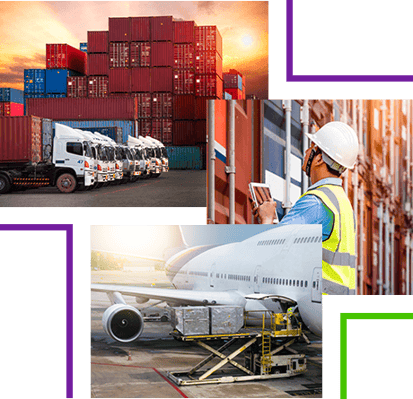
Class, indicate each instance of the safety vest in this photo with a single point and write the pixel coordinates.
(339, 249)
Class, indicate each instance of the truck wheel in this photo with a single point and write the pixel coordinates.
(4, 184)
(66, 183)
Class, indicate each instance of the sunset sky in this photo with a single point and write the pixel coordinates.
(26, 27)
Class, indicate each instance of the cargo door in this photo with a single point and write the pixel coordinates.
(257, 279)
(316, 285)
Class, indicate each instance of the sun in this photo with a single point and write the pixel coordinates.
(247, 40)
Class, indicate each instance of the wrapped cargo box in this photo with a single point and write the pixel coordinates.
(11, 96)
(193, 320)
(98, 41)
(226, 319)
(63, 56)
(21, 139)
(35, 81)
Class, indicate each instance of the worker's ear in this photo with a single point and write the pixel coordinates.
(318, 159)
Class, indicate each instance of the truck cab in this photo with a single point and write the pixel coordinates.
(162, 153)
(115, 157)
(142, 163)
(153, 155)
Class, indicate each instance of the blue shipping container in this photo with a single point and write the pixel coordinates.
(227, 96)
(114, 132)
(56, 80)
(11, 95)
(55, 95)
(128, 127)
(34, 81)
(184, 157)
(240, 82)
(47, 139)
(83, 47)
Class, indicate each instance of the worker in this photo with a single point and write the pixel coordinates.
(334, 148)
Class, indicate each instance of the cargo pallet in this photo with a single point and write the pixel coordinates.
(261, 350)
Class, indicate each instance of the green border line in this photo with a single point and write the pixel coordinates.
(343, 339)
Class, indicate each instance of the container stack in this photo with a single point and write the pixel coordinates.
(11, 102)
(234, 85)
(98, 64)
(167, 69)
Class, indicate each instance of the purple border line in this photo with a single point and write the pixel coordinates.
(329, 78)
(69, 288)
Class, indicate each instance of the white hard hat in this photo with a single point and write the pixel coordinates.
(339, 141)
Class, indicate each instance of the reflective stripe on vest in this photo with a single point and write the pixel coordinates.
(339, 260)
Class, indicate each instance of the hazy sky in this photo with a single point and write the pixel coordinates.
(26, 27)
(152, 241)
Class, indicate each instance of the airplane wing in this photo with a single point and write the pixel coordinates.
(179, 297)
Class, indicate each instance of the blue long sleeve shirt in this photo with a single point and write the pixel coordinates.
(311, 210)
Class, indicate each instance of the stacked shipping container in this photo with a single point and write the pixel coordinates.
(234, 85)
(11, 102)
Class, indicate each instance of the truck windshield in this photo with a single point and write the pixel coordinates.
(138, 155)
(87, 149)
(102, 153)
(111, 153)
(119, 153)
(157, 152)
(164, 152)
(150, 152)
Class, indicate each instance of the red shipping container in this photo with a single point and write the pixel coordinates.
(201, 107)
(77, 86)
(111, 108)
(162, 29)
(98, 64)
(140, 29)
(236, 94)
(184, 55)
(200, 131)
(21, 139)
(144, 127)
(162, 105)
(159, 126)
(11, 109)
(184, 31)
(183, 133)
(140, 54)
(119, 55)
(162, 54)
(184, 81)
(184, 107)
(97, 42)
(119, 29)
(208, 38)
(144, 104)
(98, 86)
(119, 80)
(209, 85)
(208, 62)
(63, 56)
(141, 79)
(161, 79)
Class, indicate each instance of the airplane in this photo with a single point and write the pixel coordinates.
(272, 270)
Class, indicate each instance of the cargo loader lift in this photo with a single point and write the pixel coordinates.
(263, 347)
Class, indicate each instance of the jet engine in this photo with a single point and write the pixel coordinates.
(122, 322)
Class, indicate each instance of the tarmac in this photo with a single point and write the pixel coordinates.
(139, 369)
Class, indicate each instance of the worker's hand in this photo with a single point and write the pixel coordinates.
(265, 212)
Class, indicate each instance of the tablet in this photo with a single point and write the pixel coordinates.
(260, 192)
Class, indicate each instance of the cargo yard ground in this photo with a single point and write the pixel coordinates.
(177, 188)
(156, 352)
